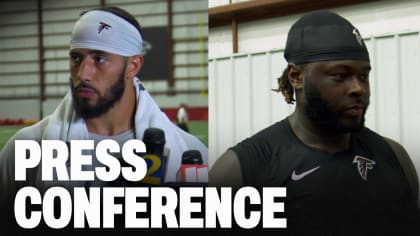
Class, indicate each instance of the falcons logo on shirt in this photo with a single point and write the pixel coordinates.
(102, 26)
(363, 165)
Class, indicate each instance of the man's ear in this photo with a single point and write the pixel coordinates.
(296, 76)
(134, 65)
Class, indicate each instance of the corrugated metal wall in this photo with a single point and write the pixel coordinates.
(241, 101)
(19, 51)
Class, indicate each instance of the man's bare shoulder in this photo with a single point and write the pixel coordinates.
(226, 171)
(406, 163)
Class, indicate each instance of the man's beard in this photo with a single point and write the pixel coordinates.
(104, 103)
(319, 112)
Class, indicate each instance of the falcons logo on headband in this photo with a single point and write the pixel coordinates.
(358, 36)
(102, 26)
(363, 165)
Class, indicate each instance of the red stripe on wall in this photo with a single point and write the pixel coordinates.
(194, 113)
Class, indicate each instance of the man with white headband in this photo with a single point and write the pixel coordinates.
(106, 101)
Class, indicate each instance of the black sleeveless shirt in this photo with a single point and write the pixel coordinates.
(360, 191)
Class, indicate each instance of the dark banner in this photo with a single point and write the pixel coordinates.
(155, 51)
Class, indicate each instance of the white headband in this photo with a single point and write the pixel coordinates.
(107, 32)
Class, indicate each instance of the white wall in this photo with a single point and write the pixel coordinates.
(376, 18)
(240, 100)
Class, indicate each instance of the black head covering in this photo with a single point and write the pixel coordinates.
(324, 36)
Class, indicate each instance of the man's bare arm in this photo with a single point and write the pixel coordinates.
(226, 171)
(406, 164)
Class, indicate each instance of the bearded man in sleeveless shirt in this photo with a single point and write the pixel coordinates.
(341, 177)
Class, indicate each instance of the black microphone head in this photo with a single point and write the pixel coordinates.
(192, 157)
(154, 139)
(154, 135)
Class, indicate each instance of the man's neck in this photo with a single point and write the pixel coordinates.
(117, 120)
(318, 137)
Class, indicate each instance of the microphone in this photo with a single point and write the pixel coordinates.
(192, 168)
(155, 156)
(154, 139)
(192, 157)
